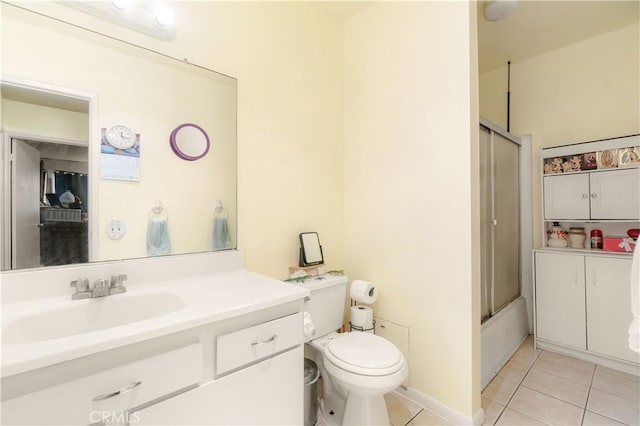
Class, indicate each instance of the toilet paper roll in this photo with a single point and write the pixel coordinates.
(362, 317)
(363, 292)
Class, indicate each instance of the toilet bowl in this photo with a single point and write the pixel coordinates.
(357, 368)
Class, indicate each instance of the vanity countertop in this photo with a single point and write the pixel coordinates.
(202, 300)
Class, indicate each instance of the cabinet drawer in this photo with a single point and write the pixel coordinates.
(251, 344)
(103, 395)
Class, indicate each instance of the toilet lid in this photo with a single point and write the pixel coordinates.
(364, 353)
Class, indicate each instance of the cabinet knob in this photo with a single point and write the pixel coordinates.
(594, 195)
(585, 196)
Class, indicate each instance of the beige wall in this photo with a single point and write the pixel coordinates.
(587, 91)
(408, 193)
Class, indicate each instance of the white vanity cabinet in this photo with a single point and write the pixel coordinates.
(243, 391)
(598, 195)
(582, 303)
(107, 395)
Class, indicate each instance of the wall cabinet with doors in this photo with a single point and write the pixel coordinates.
(582, 294)
(599, 195)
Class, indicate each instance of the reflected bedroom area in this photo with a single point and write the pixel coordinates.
(100, 145)
(44, 180)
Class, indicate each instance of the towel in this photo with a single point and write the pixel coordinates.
(634, 328)
(221, 239)
(158, 238)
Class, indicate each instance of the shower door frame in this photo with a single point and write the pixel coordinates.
(525, 222)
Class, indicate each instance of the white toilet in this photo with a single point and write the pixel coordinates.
(357, 368)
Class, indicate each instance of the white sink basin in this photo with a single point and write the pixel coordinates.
(84, 316)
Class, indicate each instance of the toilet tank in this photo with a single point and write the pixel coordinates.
(327, 300)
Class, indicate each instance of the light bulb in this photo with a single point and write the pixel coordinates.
(163, 17)
(121, 5)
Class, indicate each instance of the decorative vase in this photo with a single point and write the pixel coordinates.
(577, 237)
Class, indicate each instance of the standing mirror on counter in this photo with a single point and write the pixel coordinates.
(310, 249)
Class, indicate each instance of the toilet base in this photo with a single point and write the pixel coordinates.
(332, 408)
(365, 410)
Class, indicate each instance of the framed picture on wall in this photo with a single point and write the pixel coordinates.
(607, 158)
(589, 161)
(629, 157)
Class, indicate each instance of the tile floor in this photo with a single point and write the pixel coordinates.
(540, 387)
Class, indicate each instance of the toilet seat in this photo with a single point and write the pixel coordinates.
(365, 354)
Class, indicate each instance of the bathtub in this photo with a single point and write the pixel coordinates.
(501, 336)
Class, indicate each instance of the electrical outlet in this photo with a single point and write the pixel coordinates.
(116, 229)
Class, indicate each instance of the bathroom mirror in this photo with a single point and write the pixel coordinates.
(81, 81)
(189, 142)
(310, 249)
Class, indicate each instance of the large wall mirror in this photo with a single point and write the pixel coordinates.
(62, 183)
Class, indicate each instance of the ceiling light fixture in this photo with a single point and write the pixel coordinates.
(495, 10)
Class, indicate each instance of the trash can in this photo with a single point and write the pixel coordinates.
(311, 375)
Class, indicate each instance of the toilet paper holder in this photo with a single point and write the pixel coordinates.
(359, 328)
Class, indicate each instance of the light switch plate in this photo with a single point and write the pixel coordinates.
(116, 229)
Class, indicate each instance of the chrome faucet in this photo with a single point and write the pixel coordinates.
(101, 288)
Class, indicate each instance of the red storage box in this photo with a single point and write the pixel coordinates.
(621, 244)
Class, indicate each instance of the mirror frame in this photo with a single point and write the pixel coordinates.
(175, 145)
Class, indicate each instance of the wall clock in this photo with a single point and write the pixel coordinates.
(121, 137)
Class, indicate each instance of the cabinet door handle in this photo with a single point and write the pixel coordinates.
(594, 195)
(595, 277)
(262, 342)
(575, 277)
(124, 390)
(585, 196)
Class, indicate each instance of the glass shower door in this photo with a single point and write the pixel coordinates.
(500, 216)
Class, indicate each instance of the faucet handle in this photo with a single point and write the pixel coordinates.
(117, 280)
(117, 284)
(81, 284)
(82, 289)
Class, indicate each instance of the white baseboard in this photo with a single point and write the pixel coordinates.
(442, 410)
(624, 366)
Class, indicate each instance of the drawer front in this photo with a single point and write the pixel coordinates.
(103, 396)
(251, 344)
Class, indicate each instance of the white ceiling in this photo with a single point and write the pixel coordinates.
(538, 27)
